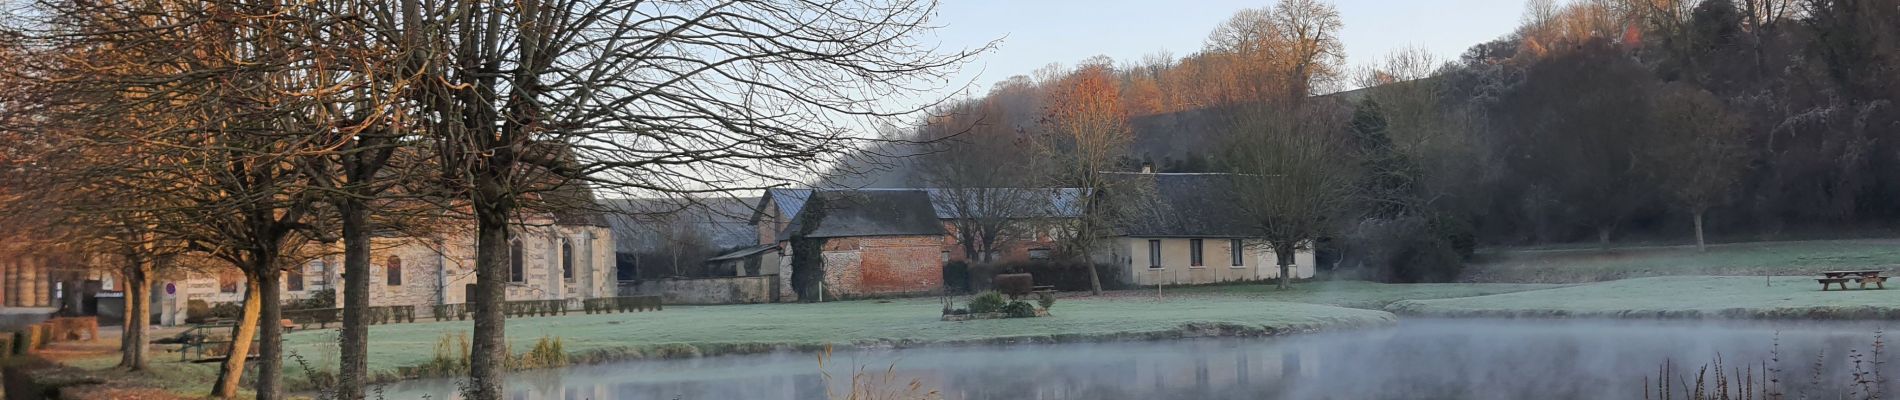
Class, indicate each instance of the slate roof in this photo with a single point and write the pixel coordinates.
(867, 213)
(1061, 202)
(789, 201)
(723, 220)
(1051, 202)
(743, 252)
(1181, 205)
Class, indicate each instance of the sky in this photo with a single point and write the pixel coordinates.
(1035, 33)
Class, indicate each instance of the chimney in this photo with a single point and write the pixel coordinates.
(1147, 167)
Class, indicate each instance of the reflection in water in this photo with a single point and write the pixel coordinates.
(1464, 359)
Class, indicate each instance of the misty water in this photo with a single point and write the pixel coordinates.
(1420, 358)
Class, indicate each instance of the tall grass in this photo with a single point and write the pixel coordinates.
(1766, 383)
(452, 358)
(868, 385)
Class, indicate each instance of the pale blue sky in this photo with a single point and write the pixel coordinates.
(1038, 32)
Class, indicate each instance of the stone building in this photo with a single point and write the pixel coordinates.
(37, 280)
(876, 242)
(565, 257)
(1187, 229)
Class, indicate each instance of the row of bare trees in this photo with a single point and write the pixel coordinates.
(253, 132)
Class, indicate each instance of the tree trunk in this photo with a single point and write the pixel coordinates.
(1283, 255)
(489, 352)
(1603, 238)
(270, 360)
(134, 343)
(353, 370)
(128, 352)
(142, 321)
(232, 370)
(1700, 245)
(1095, 275)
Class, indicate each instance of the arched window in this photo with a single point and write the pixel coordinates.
(567, 259)
(394, 266)
(515, 273)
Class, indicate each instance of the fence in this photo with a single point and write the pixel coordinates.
(536, 308)
(323, 317)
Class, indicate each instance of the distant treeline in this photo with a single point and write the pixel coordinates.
(1595, 120)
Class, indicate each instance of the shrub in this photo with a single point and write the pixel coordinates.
(196, 311)
(1046, 300)
(1457, 233)
(956, 276)
(988, 302)
(319, 299)
(451, 356)
(226, 311)
(1015, 285)
(1019, 309)
(982, 276)
(547, 353)
(1404, 250)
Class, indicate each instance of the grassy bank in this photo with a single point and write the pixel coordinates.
(713, 330)
(1353, 294)
(1741, 297)
(1759, 259)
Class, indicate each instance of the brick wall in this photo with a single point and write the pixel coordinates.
(875, 265)
(1014, 250)
(900, 264)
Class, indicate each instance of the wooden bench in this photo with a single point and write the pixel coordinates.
(1863, 277)
(1043, 289)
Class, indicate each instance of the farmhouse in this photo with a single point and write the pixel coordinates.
(1187, 229)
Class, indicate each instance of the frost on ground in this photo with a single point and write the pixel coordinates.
(1355, 294)
(1760, 258)
(1754, 297)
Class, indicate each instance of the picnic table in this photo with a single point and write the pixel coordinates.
(1864, 277)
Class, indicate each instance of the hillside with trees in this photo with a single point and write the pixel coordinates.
(1595, 121)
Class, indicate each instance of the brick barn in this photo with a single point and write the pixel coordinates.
(872, 242)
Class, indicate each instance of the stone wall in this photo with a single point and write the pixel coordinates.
(437, 271)
(722, 290)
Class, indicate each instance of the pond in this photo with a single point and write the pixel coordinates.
(1419, 358)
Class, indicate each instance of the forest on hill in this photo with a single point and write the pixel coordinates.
(1596, 120)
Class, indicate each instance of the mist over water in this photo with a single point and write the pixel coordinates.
(1424, 358)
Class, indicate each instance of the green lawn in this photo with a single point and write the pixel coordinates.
(708, 329)
(1355, 294)
(1673, 297)
(1761, 258)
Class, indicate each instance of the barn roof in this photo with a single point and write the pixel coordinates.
(1182, 205)
(866, 213)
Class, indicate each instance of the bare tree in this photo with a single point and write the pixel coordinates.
(527, 97)
(1294, 174)
(1314, 53)
(1698, 152)
(1090, 135)
(206, 109)
(981, 174)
